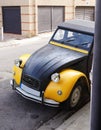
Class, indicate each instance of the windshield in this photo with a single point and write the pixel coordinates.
(76, 39)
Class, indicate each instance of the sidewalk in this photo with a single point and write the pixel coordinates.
(8, 40)
(79, 121)
(13, 40)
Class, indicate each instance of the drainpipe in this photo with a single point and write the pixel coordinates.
(2, 34)
(96, 88)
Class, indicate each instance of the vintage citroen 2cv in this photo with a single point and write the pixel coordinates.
(58, 73)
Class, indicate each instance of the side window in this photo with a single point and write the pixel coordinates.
(59, 35)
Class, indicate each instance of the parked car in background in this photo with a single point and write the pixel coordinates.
(58, 73)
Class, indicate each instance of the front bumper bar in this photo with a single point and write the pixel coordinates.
(33, 97)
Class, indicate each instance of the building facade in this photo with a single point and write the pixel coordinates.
(31, 17)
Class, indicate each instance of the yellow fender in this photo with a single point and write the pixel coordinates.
(24, 58)
(17, 71)
(68, 79)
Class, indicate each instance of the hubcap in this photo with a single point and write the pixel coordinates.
(75, 97)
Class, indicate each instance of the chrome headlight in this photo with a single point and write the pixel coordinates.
(18, 62)
(55, 77)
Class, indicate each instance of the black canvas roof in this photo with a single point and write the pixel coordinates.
(79, 25)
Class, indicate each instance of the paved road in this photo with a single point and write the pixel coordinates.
(17, 113)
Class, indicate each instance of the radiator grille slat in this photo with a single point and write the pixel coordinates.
(31, 82)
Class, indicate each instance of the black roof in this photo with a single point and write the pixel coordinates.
(79, 25)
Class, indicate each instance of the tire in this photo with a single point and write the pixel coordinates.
(75, 97)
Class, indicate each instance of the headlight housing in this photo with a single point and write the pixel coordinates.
(55, 77)
(18, 62)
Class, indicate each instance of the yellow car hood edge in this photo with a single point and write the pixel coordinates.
(69, 47)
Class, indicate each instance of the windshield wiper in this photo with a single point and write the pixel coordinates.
(71, 39)
(84, 43)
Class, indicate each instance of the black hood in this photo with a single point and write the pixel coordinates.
(50, 59)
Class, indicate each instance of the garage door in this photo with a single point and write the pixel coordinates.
(11, 20)
(57, 16)
(49, 18)
(86, 13)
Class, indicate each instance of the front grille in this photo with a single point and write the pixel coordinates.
(31, 82)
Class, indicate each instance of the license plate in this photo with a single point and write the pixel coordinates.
(30, 90)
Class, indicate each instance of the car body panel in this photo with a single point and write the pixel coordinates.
(17, 71)
(24, 58)
(68, 78)
(50, 61)
(53, 60)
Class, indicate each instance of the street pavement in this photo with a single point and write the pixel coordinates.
(79, 120)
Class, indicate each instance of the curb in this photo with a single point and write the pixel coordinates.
(79, 121)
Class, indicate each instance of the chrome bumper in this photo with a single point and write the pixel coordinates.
(33, 95)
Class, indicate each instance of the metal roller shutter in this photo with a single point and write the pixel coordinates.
(89, 13)
(57, 16)
(44, 19)
(79, 13)
(86, 13)
(49, 18)
(11, 19)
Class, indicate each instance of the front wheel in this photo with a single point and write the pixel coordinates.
(75, 96)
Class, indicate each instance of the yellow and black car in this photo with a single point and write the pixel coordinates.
(58, 73)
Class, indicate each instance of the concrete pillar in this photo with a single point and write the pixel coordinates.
(96, 88)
